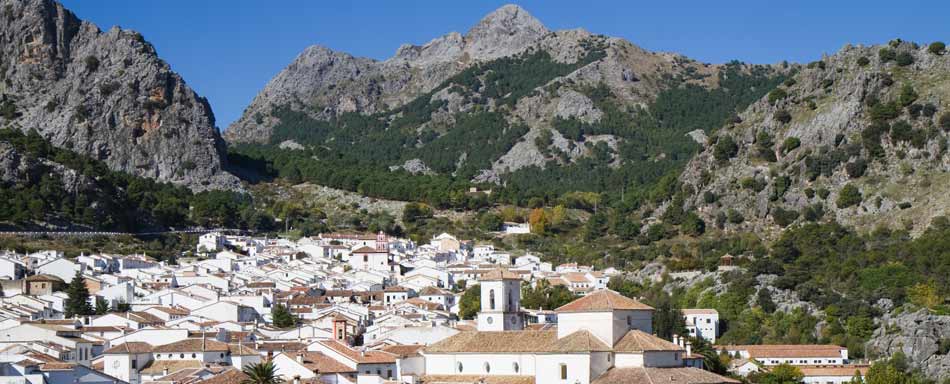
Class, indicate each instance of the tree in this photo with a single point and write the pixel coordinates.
(471, 302)
(490, 222)
(782, 116)
(282, 318)
(667, 318)
(885, 372)
(908, 95)
(849, 196)
(764, 300)
(779, 374)
(538, 221)
(261, 373)
(416, 212)
(726, 148)
(936, 47)
(102, 306)
(944, 121)
(77, 302)
(904, 59)
(693, 225)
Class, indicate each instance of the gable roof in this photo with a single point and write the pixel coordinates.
(499, 274)
(679, 375)
(364, 357)
(193, 345)
(603, 300)
(636, 340)
(544, 341)
(318, 362)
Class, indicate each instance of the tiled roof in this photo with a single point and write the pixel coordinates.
(700, 311)
(130, 347)
(158, 366)
(318, 362)
(788, 351)
(367, 357)
(433, 291)
(603, 300)
(499, 274)
(638, 341)
(545, 341)
(193, 345)
(682, 375)
(403, 350)
(281, 346)
(230, 376)
(837, 370)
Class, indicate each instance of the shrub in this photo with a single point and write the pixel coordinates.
(885, 111)
(709, 197)
(826, 83)
(734, 217)
(856, 168)
(784, 217)
(936, 47)
(929, 110)
(782, 116)
(904, 205)
(809, 193)
(823, 193)
(790, 82)
(814, 212)
(863, 61)
(92, 63)
(726, 148)
(8, 110)
(944, 121)
(914, 110)
(904, 59)
(886, 55)
(901, 131)
(848, 196)
(108, 88)
(776, 95)
(790, 144)
(908, 95)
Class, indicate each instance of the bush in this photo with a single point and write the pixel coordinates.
(709, 197)
(776, 95)
(863, 61)
(904, 59)
(814, 212)
(823, 193)
(790, 144)
(782, 116)
(790, 82)
(928, 110)
(856, 168)
(784, 217)
(92, 63)
(908, 95)
(809, 193)
(885, 111)
(944, 121)
(849, 196)
(936, 47)
(735, 217)
(886, 55)
(726, 148)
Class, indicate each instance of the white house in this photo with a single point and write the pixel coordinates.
(703, 323)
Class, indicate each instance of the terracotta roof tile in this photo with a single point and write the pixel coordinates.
(367, 357)
(193, 345)
(499, 274)
(318, 362)
(130, 347)
(518, 342)
(467, 379)
(230, 376)
(683, 375)
(638, 341)
(403, 350)
(159, 366)
(788, 350)
(603, 300)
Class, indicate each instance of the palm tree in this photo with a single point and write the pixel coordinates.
(260, 373)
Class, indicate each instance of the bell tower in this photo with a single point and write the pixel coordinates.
(500, 302)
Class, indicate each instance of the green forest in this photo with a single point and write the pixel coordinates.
(107, 200)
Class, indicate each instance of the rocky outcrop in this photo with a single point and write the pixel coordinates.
(825, 112)
(106, 95)
(918, 336)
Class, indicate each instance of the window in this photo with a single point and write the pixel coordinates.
(608, 357)
(379, 372)
(487, 367)
(193, 355)
(629, 321)
(169, 355)
(460, 367)
(181, 356)
(563, 371)
(135, 364)
(491, 299)
(365, 258)
(708, 321)
(515, 367)
(389, 373)
(489, 319)
(222, 355)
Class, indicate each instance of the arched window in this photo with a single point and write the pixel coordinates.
(515, 367)
(491, 299)
(181, 356)
(487, 367)
(460, 367)
(193, 355)
(563, 371)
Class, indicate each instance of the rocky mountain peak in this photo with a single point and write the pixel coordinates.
(505, 31)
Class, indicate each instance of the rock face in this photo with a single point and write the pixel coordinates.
(830, 110)
(454, 76)
(106, 95)
(918, 335)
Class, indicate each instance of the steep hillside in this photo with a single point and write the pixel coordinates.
(106, 95)
(541, 112)
(859, 137)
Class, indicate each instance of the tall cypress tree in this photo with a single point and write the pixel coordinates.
(77, 304)
(282, 318)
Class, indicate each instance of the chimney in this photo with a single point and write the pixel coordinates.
(689, 348)
(296, 379)
(676, 339)
(165, 371)
(299, 360)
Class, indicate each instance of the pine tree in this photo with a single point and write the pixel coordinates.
(282, 318)
(102, 306)
(77, 303)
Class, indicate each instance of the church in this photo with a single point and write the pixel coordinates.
(601, 338)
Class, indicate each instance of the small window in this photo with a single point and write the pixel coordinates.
(169, 355)
(181, 356)
(389, 373)
(515, 367)
(135, 364)
(459, 367)
(608, 357)
(487, 367)
(563, 371)
(489, 320)
(222, 355)
(193, 355)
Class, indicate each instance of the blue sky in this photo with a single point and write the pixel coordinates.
(227, 50)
